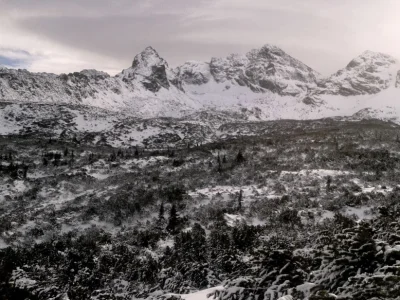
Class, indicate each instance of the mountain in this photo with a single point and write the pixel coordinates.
(264, 84)
(261, 70)
(368, 73)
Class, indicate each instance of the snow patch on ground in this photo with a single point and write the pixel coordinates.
(234, 220)
(201, 295)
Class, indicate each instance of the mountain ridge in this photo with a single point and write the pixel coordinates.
(262, 79)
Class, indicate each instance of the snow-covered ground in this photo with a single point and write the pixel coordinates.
(200, 295)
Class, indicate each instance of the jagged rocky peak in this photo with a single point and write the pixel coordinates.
(229, 68)
(267, 51)
(368, 73)
(148, 58)
(151, 70)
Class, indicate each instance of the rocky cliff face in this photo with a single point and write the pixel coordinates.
(369, 73)
(273, 69)
(194, 73)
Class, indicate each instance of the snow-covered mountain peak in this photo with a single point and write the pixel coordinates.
(369, 58)
(275, 70)
(369, 73)
(146, 60)
(268, 69)
(150, 70)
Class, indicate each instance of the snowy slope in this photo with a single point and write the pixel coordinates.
(97, 126)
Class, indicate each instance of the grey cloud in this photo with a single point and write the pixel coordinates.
(325, 35)
(121, 36)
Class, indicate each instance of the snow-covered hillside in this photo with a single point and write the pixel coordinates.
(264, 84)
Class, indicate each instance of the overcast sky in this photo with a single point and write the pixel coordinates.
(70, 35)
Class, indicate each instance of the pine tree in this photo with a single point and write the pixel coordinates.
(66, 152)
